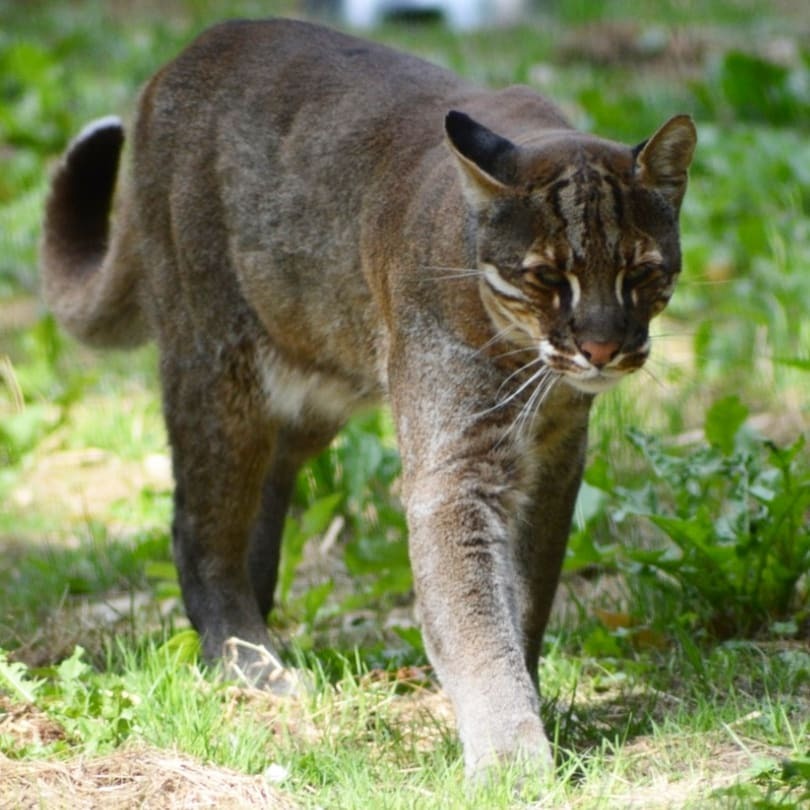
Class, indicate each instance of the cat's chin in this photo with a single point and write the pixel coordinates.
(596, 384)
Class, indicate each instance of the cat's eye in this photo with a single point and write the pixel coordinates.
(549, 277)
(640, 273)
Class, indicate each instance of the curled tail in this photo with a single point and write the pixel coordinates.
(90, 280)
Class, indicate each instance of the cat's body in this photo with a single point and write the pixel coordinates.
(304, 230)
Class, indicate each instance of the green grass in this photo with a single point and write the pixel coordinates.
(362, 738)
(648, 696)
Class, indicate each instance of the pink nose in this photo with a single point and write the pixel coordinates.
(599, 354)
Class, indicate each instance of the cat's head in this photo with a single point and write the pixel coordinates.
(577, 240)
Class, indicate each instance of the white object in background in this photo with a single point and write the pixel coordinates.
(460, 15)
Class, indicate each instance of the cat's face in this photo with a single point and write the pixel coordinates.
(578, 248)
(581, 268)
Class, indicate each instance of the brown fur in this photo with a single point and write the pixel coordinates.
(306, 228)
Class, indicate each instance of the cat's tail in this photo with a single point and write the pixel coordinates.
(90, 280)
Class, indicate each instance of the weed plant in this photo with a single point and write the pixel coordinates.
(725, 528)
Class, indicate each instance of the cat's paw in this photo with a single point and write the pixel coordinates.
(520, 746)
(523, 767)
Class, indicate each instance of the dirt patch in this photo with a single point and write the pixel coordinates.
(85, 483)
(27, 726)
(134, 778)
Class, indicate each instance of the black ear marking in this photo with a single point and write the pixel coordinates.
(491, 153)
(637, 150)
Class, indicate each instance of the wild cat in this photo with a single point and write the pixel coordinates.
(310, 223)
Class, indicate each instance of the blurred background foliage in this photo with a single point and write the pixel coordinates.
(708, 522)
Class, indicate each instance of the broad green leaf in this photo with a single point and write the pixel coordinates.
(14, 678)
(601, 643)
(72, 670)
(184, 646)
(315, 598)
(374, 553)
(723, 421)
(411, 636)
(318, 514)
(590, 503)
(684, 532)
(161, 570)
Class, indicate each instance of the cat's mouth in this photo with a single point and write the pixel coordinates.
(594, 382)
(588, 377)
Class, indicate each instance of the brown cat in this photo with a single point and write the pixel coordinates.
(311, 224)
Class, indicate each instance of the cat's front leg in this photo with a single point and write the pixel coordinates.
(466, 494)
(460, 518)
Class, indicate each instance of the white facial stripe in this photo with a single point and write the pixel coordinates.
(545, 350)
(579, 360)
(533, 259)
(620, 286)
(647, 256)
(576, 290)
(547, 257)
(497, 282)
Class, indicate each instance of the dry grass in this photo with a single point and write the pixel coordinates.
(137, 777)
(131, 777)
(26, 725)
(671, 771)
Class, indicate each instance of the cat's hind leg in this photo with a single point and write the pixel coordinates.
(264, 551)
(292, 447)
(542, 537)
(222, 443)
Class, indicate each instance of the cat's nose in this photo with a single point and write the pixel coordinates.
(599, 353)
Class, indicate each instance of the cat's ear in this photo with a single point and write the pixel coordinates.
(663, 160)
(487, 161)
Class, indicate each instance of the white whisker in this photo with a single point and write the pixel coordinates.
(525, 367)
(535, 377)
(527, 414)
(538, 396)
(665, 335)
(451, 269)
(512, 352)
(654, 378)
(495, 338)
(501, 403)
(453, 273)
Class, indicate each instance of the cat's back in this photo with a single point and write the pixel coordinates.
(295, 63)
